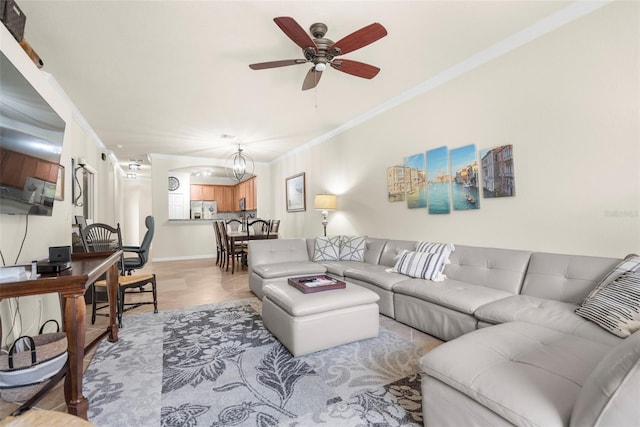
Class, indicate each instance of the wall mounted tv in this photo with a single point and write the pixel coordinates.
(31, 135)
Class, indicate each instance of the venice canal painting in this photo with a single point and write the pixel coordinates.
(438, 180)
(498, 177)
(464, 170)
(415, 181)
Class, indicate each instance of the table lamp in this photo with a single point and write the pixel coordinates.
(325, 203)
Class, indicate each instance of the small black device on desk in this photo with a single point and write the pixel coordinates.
(59, 260)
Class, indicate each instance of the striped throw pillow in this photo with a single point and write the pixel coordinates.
(442, 249)
(420, 265)
(615, 306)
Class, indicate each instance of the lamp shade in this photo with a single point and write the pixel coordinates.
(325, 202)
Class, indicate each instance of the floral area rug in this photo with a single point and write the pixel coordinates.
(216, 365)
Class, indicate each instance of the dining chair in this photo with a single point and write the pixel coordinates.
(216, 234)
(100, 237)
(275, 226)
(221, 248)
(234, 225)
(260, 228)
(233, 252)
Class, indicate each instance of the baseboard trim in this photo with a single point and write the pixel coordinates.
(184, 258)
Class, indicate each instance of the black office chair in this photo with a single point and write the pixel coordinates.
(142, 252)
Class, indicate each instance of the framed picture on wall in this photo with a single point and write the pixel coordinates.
(295, 190)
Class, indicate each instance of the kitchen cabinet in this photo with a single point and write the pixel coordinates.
(195, 192)
(227, 196)
(209, 192)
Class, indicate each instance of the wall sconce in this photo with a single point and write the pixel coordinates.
(134, 166)
(131, 176)
(77, 194)
(325, 203)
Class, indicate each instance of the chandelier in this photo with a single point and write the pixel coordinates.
(239, 165)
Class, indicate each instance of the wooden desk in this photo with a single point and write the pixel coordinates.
(71, 285)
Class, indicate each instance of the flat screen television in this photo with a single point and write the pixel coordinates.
(31, 135)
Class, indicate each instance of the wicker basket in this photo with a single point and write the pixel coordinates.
(24, 373)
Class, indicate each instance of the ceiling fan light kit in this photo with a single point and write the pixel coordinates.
(321, 51)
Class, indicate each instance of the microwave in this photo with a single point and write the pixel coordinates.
(243, 204)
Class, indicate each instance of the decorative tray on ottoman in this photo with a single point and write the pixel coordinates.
(317, 283)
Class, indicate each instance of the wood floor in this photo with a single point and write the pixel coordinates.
(186, 284)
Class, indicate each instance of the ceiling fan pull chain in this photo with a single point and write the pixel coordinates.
(315, 94)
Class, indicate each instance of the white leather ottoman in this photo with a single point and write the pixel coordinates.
(305, 323)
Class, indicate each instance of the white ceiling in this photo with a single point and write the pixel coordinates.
(171, 77)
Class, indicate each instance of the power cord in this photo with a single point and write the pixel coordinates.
(26, 229)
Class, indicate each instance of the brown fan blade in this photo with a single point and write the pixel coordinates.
(312, 79)
(361, 38)
(275, 64)
(295, 32)
(355, 68)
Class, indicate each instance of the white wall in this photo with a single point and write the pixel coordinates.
(136, 206)
(79, 141)
(568, 102)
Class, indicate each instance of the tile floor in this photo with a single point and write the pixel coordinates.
(185, 284)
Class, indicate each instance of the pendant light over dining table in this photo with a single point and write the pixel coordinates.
(239, 165)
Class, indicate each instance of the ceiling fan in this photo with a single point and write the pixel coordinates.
(322, 52)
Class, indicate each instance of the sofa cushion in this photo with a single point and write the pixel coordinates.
(567, 278)
(375, 275)
(392, 250)
(421, 265)
(288, 269)
(501, 269)
(459, 296)
(338, 268)
(352, 248)
(528, 374)
(327, 248)
(615, 306)
(556, 315)
(271, 251)
(611, 394)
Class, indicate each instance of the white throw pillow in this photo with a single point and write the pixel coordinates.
(327, 248)
(615, 306)
(352, 248)
(421, 265)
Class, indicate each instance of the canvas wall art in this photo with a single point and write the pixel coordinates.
(438, 181)
(415, 178)
(498, 177)
(395, 183)
(464, 172)
(295, 190)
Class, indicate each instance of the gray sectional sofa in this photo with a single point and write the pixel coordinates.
(517, 354)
